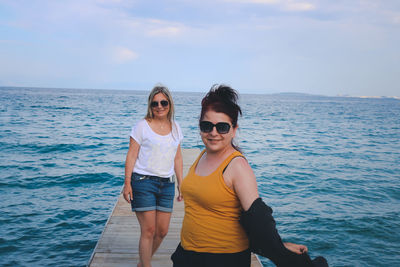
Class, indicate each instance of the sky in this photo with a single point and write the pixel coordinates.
(324, 47)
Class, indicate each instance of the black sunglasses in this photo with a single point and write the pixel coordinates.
(207, 127)
(163, 103)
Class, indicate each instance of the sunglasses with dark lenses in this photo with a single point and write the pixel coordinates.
(207, 127)
(163, 103)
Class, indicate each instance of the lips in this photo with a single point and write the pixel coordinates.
(213, 140)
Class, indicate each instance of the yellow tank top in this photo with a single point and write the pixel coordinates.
(212, 210)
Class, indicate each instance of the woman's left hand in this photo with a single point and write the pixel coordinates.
(296, 248)
(179, 197)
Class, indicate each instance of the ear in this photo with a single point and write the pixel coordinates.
(234, 130)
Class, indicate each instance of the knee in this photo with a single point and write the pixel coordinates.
(148, 232)
(162, 232)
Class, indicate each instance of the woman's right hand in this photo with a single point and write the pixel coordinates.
(296, 248)
(127, 192)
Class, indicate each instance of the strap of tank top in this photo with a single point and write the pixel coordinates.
(197, 160)
(230, 158)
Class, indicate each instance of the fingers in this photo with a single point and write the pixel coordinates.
(179, 197)
(127, 193)
(296, 248)
(302, 249)
(127, 197)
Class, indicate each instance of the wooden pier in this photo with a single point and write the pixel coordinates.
(118, 244)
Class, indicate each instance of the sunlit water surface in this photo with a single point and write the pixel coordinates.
(329, 167)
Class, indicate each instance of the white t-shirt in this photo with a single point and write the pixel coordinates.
(157, 152)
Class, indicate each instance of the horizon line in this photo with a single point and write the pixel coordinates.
(183, 91)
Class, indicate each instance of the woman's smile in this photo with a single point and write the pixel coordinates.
(213, 140)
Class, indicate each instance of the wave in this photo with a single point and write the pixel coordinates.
(67, 181)
(44, 149)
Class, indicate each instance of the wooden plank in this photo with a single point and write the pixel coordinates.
(118, 244)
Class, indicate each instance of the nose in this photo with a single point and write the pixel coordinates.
(214, 130)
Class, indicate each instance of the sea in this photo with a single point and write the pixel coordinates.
(328, 166)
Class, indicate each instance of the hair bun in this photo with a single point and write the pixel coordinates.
(222, 98)
(225, 93)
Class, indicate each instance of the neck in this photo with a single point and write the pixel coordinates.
(211, 155)
(161, 120)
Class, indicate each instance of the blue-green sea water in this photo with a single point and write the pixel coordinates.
(329, 167)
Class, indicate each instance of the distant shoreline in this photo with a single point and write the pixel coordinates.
(141, 90)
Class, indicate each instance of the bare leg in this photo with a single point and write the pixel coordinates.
(147, 221)
(162, 225)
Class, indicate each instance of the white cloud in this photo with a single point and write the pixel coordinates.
(165, 31)
(123, 55)
(153, 27)
(265, 2)
(298, 6)
(109, 1)
(159, 28)
(109, 17)
(396, 19)
(289, 5)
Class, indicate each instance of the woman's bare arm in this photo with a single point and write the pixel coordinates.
(130, 161)
(178, 168)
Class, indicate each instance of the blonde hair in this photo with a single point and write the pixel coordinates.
(159, 88)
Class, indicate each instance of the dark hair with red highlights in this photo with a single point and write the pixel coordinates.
(222, 98)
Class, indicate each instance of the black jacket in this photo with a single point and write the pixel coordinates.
(265, 241)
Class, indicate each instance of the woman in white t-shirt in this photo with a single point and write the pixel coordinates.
(154, 156)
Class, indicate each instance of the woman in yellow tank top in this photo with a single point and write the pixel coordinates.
(219, 186)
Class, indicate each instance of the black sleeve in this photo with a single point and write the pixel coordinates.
(265, 241)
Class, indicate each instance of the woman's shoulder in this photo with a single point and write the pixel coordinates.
(140, 124)
(176, 128)
(238, 165)
(235, 156)
(232, 160)
(242, 176)
(139, 128)
(175, 124)
(239, 162)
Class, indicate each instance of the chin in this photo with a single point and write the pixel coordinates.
(161, 114)
(213, 147)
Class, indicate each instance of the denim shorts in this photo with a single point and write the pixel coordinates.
(152, 193)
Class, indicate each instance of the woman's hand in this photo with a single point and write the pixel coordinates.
(179, 197)
(178, 168)
(127, 192)
(298, 249)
